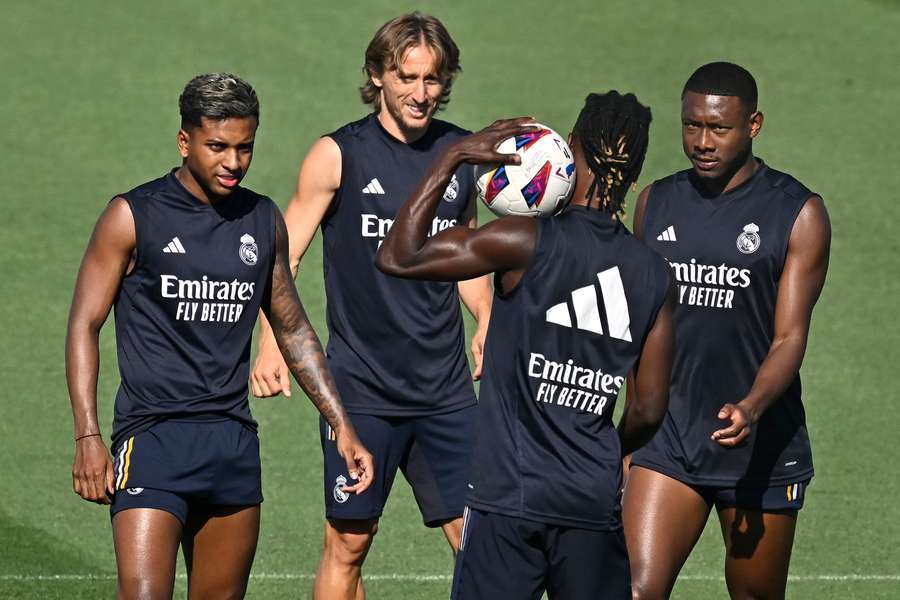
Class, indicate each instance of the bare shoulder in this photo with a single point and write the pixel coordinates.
(812, 225)
(640, 209)
(322, 165)
(116, 225)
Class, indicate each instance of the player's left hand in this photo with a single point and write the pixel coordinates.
(481, 147)
(478, 350)
(359, 461)
(739, 429)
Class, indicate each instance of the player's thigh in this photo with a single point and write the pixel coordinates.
(663, 520)
(146, 543)
(758, 528)
(499, 557)
(389, 440)
(219, 545)
(438, 463)
(588, 565)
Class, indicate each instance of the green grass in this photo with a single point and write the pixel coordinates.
(89, 110)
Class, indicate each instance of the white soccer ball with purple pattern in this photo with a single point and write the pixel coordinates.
(538, 187)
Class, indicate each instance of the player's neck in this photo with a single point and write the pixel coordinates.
(193, 187)
(396, 129)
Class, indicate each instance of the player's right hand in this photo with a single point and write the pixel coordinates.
(270, 375)
(481, 147)
(92, 471)
(359, 461)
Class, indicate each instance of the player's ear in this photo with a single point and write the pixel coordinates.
(183, 140)
(756, 123)
(376, 79)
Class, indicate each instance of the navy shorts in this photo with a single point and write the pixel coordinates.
(432, 452)
(176, 465)
(518, 559)
(764, 499)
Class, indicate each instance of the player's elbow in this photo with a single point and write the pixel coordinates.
(649, 411)
(387, 263)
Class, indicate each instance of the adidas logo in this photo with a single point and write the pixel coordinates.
(174, 247)
(374, 187)
(668, 235)
(586, 311)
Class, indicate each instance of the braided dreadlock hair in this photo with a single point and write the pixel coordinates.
(613, 131)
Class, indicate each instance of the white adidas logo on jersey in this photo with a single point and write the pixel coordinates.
(174, 247)
(668, 235)
(374, 187)
(587, 312)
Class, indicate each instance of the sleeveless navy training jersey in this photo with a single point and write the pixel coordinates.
(727, 254)
(395, 347)
(186, 312)
(559, 347)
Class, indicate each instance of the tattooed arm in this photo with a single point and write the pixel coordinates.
(304, 356)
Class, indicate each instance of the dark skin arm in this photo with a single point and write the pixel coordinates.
(304, 356)
(504, 245)
(801, 283)
(647, 395)
(639, 210)
(106, 260)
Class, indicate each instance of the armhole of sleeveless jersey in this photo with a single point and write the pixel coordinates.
(790, 231)
(138, 256)
(530, 267)
(265, 306)
(646, 214)
(668, 279)
(336, 200)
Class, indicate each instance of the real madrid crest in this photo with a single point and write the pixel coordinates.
(452, 190)
(248, 251)
(338, 492)
(748, 242)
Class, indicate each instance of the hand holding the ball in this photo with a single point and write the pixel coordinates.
(481, 147)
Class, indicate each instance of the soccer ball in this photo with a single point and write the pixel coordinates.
(539, 187)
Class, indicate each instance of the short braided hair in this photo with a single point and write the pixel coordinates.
(613, 131)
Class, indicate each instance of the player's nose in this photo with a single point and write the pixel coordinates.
(419, 91)
(704, 141)
(230, 160)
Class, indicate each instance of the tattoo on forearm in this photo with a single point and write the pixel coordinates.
(301, 348)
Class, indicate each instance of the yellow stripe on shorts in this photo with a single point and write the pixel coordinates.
(127, 461)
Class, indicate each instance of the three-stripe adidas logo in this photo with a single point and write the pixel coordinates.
(586, 311)
(374, 187)
(668, 235)
(174, 247)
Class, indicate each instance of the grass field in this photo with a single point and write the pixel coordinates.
(89, 110)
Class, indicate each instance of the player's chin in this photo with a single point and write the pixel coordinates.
(705, 171)
(417, 119)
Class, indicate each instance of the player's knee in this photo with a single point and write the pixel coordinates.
(755, 591)
(143, 588)
(645, 584)
(347, 543)
(647, 590)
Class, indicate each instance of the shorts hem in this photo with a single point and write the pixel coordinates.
(369, 516)
(113, 512)
(721, 483)
(434, 522)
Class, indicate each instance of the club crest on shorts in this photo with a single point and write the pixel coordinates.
(748, 242)
(340, 495)
(134, 491)
(452, 190)
(248, 251)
